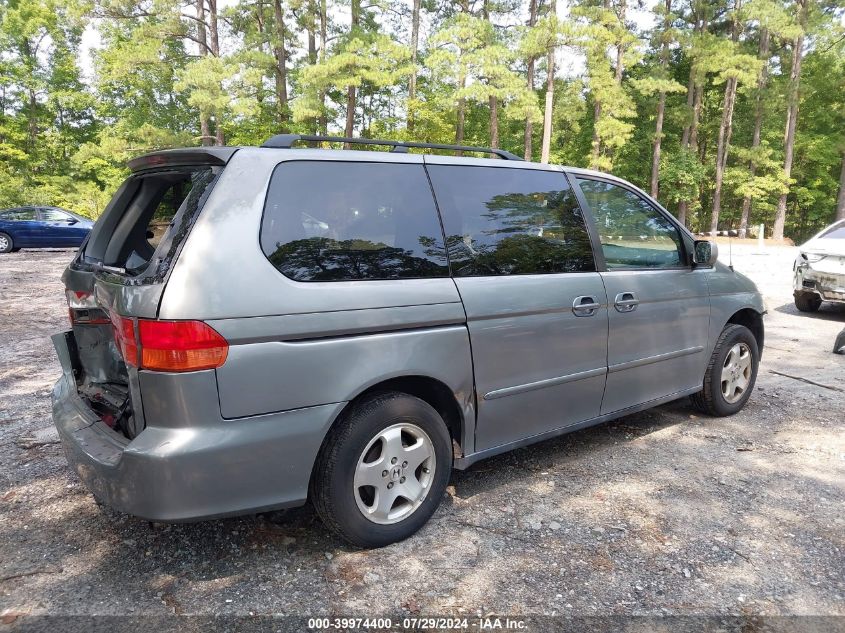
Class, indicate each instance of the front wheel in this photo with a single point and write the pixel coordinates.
(731, 372)
(6, 243)
(807, 301)
(383, 469)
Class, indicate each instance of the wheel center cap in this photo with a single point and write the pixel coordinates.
(395, 472)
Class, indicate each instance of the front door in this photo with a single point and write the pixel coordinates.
(60, 228)
(536, 308)
(659, 305)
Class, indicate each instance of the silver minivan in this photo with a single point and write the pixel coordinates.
(255, 327)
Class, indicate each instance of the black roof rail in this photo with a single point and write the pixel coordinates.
(286, 141)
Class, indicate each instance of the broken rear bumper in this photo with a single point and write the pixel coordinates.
(214, 468)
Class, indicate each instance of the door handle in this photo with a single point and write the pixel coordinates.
(626, 302)
(585, 306)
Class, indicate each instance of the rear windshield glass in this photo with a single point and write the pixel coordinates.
(834, 233)
(339, 221)
(144, 225)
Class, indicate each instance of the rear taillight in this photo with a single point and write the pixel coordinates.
(124, 337)
(83, 309)
(170, 345)
(181, 345)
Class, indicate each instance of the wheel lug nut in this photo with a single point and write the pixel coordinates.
(384, 473)
(393, 461)
(404, 464)
(401, 480)
(390, 485)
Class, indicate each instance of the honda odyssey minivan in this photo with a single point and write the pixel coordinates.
(346, 327)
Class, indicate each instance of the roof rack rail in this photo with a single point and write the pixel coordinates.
(286, 141)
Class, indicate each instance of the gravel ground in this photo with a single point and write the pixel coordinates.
(662, 512)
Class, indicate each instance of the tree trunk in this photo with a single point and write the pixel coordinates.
(840, 201)
(323, 120)
(658, 137)
(529, 125)
(312, 32)
(350, 90)
(459, 124)
(205, 129)
(596, 144)
(494, 122)
(412, 81)
(550, 97)
(661, 103)
(281, 71)
(690, 99)
(722, 150)
(791, 119)
(758, 124)
(689, 139)
(311, 28)
(214, 44)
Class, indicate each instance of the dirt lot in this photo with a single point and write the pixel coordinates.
(664, 512)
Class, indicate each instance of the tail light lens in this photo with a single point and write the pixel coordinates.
(180, 345)
(83, 309)
(124, 337)
(169, 345)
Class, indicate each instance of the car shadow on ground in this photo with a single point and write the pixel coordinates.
(827, 312)
(528, 462)
(217, 562)
(140, 544)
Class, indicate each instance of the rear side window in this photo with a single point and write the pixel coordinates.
(501, 221)
(19, 215)
(54, 215)
(633, 233)
(341, 221)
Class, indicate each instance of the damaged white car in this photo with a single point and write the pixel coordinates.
(820, 269)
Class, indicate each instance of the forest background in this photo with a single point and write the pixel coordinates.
(730, 112)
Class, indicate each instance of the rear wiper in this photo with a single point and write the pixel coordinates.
(109, 269)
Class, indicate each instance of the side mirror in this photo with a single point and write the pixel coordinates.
(706, 253)
(72, 221)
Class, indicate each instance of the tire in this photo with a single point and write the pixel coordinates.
(6, 243)
(807, 301)
(361, 439)
(711, 399)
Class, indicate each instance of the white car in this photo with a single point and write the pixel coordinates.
(820, 269)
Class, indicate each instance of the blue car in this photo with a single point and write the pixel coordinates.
(41, 227)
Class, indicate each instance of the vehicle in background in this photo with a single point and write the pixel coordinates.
(820, 269)
(41, 227)
(348, 326)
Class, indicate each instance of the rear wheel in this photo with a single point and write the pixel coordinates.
(807, 301)
(383, 469)
(6, 243)
(731, 372)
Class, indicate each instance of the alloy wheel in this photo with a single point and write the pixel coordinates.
(736, 373)
(394, 473)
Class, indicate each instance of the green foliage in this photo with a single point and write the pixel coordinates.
(159, 79)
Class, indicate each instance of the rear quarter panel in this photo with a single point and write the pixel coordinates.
(295, 344)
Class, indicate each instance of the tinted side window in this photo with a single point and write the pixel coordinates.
(54, 215)
(633, 233)
(501, 221)
(19, 215)
(339, 221)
